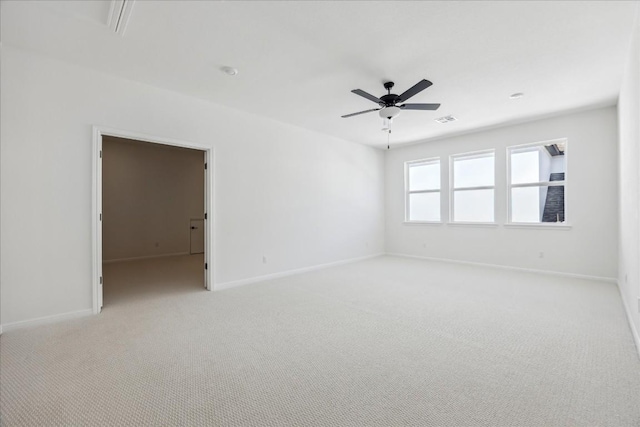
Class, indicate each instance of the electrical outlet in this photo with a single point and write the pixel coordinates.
(264, 259)
(541, 255)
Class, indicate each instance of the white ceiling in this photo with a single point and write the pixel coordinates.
(298, 61)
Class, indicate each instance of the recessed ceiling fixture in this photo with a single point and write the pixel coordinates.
(229, 71)
(446, 119)
(516, 95)
(388, 103)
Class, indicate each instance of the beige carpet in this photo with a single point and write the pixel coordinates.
(384, 342)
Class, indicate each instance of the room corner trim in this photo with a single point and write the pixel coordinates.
(632, 325)
(255, 279)
(45, 320)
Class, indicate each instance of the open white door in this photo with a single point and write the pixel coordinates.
(97, 223)
(207, 229)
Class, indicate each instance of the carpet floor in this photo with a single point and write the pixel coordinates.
(383, 342)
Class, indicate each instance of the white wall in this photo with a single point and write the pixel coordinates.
(298, 197)
(588, 248)
(150, 192)
(629, 183)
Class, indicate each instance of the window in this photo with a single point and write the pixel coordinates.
(537, 174)
(472, 187)
(422, 187)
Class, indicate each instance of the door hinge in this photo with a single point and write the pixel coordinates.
(205, 165)
(100, 217)
(205, 216)
(101, 280)
(100, 153)
(206, 266)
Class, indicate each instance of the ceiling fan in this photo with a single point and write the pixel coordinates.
(391, 104)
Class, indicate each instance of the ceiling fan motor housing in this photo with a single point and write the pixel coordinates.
(389, 99)
(389, 110)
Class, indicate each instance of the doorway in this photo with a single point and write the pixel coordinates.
(151, 208)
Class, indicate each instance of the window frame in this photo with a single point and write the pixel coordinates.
(408, 192)
(564, 183)
(453, 189)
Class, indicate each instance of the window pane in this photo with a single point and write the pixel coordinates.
(537, 204)
(473, 206)
(526, 204)
(424, 176)
(473, 171)
(537, 164)
(424, 207)
(525, 166)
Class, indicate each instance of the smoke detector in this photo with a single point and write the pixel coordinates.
(230, 71)
(446, 119)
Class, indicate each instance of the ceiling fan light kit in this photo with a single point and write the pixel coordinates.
(389, 112)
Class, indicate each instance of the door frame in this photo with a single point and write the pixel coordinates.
(191, 234)
(96, 208)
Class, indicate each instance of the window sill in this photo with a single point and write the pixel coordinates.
(423, 222)
(547, 226)
(473, 224)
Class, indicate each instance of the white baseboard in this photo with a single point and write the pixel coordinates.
(508, 267)
(632, 325)
(135, 258)
(236, 283)
(45, 320)
(219, 286)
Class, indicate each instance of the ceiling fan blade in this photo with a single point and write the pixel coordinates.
(419, 106)
(359, 112)
(418, 87)
(367, 95)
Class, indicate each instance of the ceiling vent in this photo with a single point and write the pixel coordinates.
(119, 15)
(446, 119)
